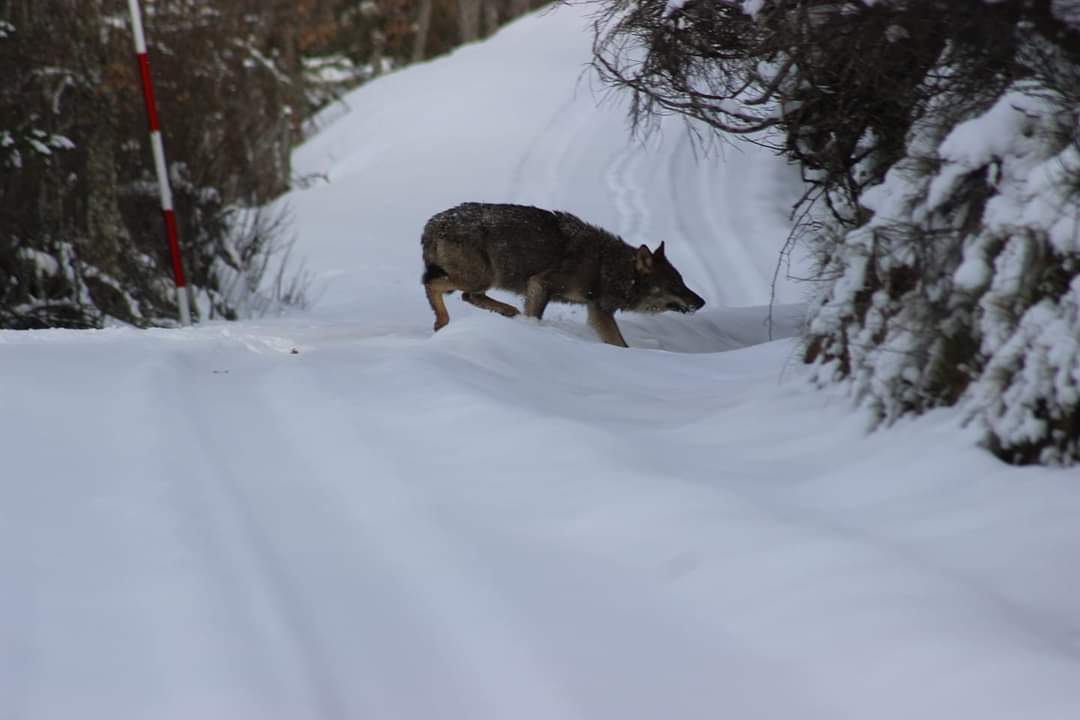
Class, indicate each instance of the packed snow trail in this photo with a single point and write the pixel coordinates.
(508, 519)
(503, 520)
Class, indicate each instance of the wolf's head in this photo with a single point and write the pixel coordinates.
(659, 286)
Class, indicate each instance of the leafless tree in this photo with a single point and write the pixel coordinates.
(469, 13)
(423, 27)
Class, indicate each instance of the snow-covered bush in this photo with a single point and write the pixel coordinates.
(81, 237)
(941, 139)
(962, 286)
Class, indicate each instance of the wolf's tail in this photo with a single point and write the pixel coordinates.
(432, 272)
(432, 269)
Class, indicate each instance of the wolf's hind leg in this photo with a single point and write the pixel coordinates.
(436, 288)
(481, 300)
(603, 322)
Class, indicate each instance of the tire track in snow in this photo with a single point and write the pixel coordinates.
(527, 157)
(423, 610)
(690, 243)
(404, 604)
(734, 231)
(238, 551)
(558, 135)
(432, 577)
(628, 197)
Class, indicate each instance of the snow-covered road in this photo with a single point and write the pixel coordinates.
(509, 519)
(501, 522)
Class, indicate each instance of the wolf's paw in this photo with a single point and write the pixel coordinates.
(440, 324)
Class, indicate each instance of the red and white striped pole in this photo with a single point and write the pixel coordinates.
(159, 162)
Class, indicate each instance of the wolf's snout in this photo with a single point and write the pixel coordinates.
(694, 303)
(686, 305)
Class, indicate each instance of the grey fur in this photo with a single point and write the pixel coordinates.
(545, 255)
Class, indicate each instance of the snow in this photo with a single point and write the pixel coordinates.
(753, 7)
(338, 514)
(673, 6)
(974, 272)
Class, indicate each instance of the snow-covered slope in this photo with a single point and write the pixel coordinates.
(508, 519)
(515, 119)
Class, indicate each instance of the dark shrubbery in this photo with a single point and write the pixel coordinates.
(81, 239)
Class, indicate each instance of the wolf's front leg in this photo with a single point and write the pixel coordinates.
(603, 322)
(537, 296)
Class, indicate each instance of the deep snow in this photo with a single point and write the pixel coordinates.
(508, 519)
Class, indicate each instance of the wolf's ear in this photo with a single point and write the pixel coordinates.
(659, 252)
(643, 260)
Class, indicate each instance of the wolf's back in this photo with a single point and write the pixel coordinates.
(510, 242)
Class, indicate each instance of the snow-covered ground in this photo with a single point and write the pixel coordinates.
(509, 519)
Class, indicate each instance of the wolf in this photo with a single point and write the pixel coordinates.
(545, 255)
